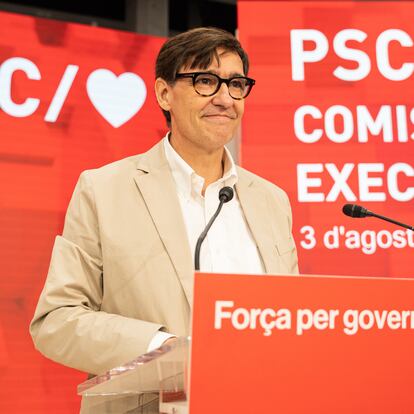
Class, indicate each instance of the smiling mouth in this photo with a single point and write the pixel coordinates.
(219, 117)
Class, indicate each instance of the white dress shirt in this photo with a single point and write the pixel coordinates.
(229, 246)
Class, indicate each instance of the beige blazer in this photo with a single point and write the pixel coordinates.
(122, 268)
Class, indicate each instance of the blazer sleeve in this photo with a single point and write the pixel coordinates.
(293, 260)
(68, 326)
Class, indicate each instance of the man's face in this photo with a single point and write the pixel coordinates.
(206, 123)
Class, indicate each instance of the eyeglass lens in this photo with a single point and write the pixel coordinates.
(208, 84)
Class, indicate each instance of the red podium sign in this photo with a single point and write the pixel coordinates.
(307, 344)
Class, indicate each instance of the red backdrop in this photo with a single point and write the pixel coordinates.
(72, 97)
(331, 120)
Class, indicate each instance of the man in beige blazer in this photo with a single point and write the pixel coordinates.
(123, 270)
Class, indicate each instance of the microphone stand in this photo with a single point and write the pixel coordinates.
(203, 236)
(225, 195)
(370, 213)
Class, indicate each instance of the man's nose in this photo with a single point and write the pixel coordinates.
(222, 97)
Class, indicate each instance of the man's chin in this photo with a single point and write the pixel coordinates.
(225, 131)
(217, 140)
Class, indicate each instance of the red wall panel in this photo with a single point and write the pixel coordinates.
(331, 120)
(72, 97)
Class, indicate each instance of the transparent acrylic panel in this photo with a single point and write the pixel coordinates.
(135, 386)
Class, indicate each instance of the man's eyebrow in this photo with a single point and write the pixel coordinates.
(232, 75)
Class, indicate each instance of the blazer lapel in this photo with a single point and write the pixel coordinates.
(257, 212)
(156, 184)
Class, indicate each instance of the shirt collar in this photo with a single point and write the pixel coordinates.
(187, 181)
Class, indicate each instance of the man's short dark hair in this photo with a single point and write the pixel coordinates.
(195, 48)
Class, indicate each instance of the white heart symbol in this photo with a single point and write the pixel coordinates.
(116, 98)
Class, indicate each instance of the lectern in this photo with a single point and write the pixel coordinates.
(277, 344)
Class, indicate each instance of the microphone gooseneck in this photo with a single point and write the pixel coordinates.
(225, 195)
(355, 211)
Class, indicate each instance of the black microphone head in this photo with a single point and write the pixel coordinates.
(226, 194)
(353, 210)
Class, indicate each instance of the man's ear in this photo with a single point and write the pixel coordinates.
(163, 93)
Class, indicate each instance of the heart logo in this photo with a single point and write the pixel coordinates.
(116, 98)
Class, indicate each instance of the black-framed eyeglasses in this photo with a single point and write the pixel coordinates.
(207, 84)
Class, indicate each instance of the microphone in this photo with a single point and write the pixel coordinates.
(225, 195)
(355, 211)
